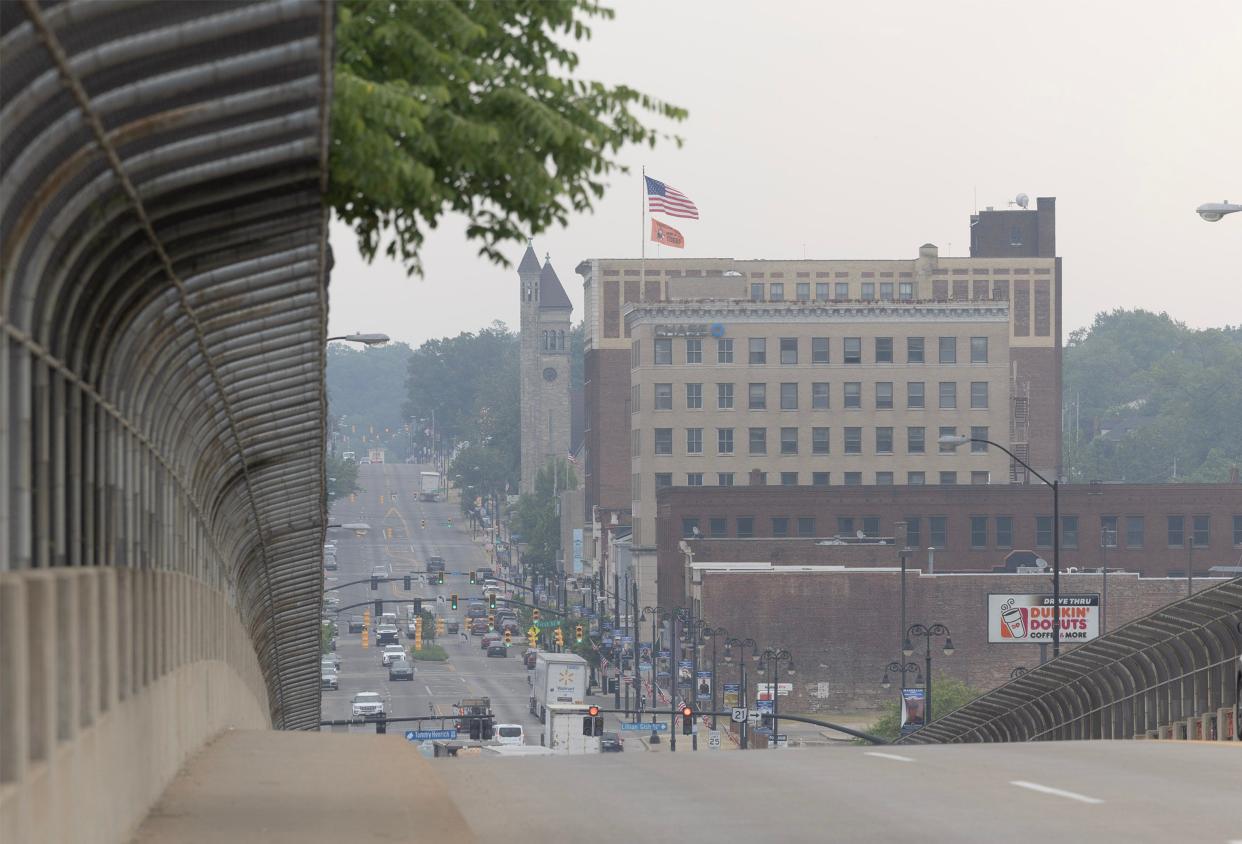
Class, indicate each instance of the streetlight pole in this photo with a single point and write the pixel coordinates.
(672, 692)
(927, 631)
(742, 644)
(955, 440)
(714, 634)
(776, 657)
(656, 613)
(901, 631)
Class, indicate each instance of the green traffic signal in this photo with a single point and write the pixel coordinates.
(453, 601)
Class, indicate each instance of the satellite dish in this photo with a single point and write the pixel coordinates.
(1022, 200)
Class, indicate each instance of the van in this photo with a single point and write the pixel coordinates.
(510, 734)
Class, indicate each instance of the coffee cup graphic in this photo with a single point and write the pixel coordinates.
(1013, 619)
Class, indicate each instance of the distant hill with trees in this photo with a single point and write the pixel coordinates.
(1148, 400)
(366, 391)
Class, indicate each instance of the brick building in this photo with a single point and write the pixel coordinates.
(843, 625)
(1012, 264)
(1155, 530)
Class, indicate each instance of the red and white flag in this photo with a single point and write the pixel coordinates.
(668, 200)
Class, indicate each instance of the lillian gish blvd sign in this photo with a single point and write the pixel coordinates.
(647, 726)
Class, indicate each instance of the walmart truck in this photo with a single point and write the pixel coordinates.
(559, 679)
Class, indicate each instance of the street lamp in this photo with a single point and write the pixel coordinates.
(373, 339)
(743, 644)
(903, 667)
(775, 657)
(1213, 211)
(955, 440)
(657, 613)
(714, 634)
(905, 537)
(907, 649)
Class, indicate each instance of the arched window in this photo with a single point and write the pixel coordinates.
(545, 340)
(560, 340)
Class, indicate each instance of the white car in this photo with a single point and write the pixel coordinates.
(510, 734)
(328, 679)
(390, 652)
(368, 705)
(332, 662)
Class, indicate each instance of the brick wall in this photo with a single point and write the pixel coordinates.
(1221, 502)
(843, 628)
(607, 385)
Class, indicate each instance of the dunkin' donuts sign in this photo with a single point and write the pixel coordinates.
(1028, 618)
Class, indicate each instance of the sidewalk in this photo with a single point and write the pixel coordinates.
(303, 788)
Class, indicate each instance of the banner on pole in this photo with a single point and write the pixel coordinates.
(667, 235)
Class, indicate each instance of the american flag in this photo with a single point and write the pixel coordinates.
(668, 200)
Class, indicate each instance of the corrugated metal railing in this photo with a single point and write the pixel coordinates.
(1171, 667)
(163, 272)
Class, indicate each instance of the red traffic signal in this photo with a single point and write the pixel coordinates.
(687, 720)
(592, 711)
(687, 712)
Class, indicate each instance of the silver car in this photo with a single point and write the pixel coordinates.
(367, 705)
(328, 680)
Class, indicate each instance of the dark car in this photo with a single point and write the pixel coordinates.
(478, 610)
(435, 564)
(610, 743)
(478, 626)
(497, 649)
(510, 624)
(490, 638)
(400, 669)
(529, 658)
(355, 624)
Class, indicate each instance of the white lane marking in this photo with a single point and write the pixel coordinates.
(1056, 792)
(892, 756)
(429, 692)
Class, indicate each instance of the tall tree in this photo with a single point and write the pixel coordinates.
(471, 106)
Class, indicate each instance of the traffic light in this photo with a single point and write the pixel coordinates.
(476, 728)
(472, 578)
(439, 578)
(578, 634)
(535, 614)
(532, 637)
(491, 600)
(422, 523)
(453, 601)
(439, 626)
(508, 638)
(559, 637)
(487, 728)
(374, 583)
(406, 581)
(379, 610)
(687, 720)
(418, 606)
(491, 619)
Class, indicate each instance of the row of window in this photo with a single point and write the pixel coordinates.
(553, 341)
(791, 439)
(665, 479)
(869, 291)
(789, 352)
(820, 395)
(985, 531)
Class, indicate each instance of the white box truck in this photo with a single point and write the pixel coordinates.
(429, 485)
(559, 679)
(563, 733)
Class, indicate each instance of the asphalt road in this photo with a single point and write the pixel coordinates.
(1122, 791)
(389, 499)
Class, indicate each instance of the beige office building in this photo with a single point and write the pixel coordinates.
(807, 393)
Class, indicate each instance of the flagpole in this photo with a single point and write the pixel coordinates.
(642, 263)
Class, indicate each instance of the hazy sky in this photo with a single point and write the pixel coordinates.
(861, 130)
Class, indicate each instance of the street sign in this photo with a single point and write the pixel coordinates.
(532, 631)
(739, 714)
(713, 739)
(652, 726)
(547, 622)
(754, 716)
(429, 735)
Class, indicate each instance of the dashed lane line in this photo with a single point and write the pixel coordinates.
(892, 756)
(1055, 792)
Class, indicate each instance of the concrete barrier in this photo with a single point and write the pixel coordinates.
(109, 680)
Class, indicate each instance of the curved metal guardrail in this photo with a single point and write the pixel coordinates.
(163, 274)
(1176, 663)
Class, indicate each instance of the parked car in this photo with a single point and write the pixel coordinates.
(356, 624)
(610, 743)
(367, 705)
(328, 679)
(390, 653)
(400, 669)
(497, 649)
